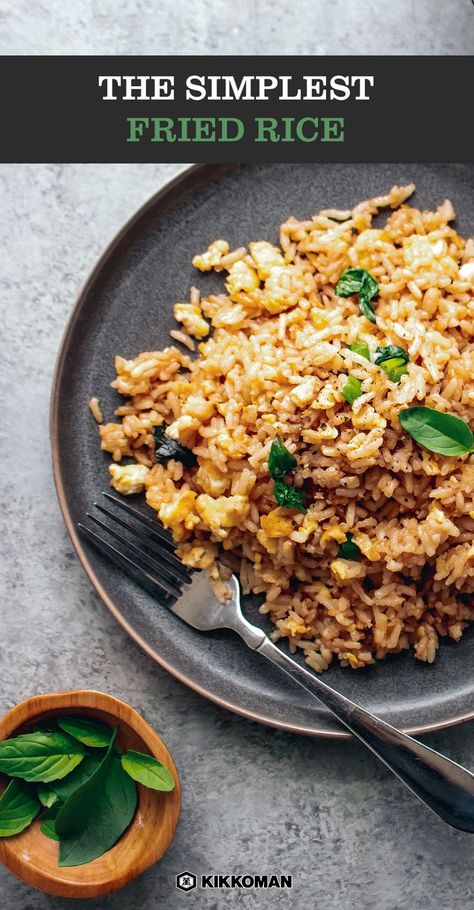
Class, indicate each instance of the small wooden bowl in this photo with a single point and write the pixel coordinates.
(33, 857)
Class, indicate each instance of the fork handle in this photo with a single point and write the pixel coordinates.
(444, 786)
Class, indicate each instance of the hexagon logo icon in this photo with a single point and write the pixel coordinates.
(186, 881)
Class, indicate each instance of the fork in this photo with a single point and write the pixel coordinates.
(145, 551)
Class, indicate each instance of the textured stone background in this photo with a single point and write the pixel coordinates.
(247, 27)
(253, 799)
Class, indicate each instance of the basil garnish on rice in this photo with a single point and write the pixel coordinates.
(281, 462)
(167, 448)
(361, 282)
(348, 549)
(438, 432)
(393, 360)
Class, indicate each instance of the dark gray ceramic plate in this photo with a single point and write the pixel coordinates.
(127, 307)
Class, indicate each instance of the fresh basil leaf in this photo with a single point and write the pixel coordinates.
(46, 796)
(351, 389)
(289, 497)
(348, 549)
(48, 822)
(89, 732)
(361, 282)
(367, 310)
(18, 808)
(147, 771)
(280, 460)
(65, 788)
(362, 348)
(167, 448)
(40, 756)
(96, 815)
(438, 432)
(390, 351)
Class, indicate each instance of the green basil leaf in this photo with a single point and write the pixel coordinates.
(280, 460)
(390, 351)
(351, 389)
(40, 756)
(147, 771)
(438, 432)
(167, 448)
(361, 282)
(348, 549)
(362, 348)
(46, 796)
(65, 788)
(289, 497)
(18, 808)
(89, 732)
(48, 822)
(96, 815)
(395, 368)
(367, 310)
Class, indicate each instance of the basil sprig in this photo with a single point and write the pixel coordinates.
(438, 432)
(348, 549)
(393, 360)
(167, 448)
(87, 804)
(282, 462)
(361, 282)
(351, 389)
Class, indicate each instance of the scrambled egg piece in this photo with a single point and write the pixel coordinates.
(212, 257)
(180, 510)
(367, 418)
(422, 252)
(283, 289)
(200, 557)
(303, 393)
(344, 569)
(368, 547)
(327, 398)
(199, 407)
(128, 479)
(335, 532)
(265, 256)
(275, 524)
(269, 544)
(241, 277)
(223, 512)
(190, 314)
(351, 659)
(181, 427)
(294, 625)
(466, 272)
(210, 479)
(322, 434)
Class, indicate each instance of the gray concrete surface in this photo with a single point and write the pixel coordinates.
(248, 27)
(253, 799)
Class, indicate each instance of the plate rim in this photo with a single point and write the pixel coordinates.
(168, 187)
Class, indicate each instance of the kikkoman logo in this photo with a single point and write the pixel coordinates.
(187, 881)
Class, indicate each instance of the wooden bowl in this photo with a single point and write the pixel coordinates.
(33, 857)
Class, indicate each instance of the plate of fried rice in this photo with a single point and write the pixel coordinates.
(277, 362)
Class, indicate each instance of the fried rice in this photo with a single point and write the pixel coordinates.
(273, 357)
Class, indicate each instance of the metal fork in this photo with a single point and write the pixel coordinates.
(146, 552)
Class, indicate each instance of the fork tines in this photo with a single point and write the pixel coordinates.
(144, 549)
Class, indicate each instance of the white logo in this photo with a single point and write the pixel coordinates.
(186, 881)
